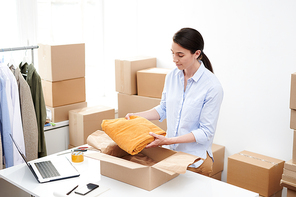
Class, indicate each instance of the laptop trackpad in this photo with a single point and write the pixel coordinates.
(64, 166)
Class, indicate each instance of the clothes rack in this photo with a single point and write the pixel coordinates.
(21, 48)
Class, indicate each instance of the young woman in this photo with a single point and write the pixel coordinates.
(190, 102)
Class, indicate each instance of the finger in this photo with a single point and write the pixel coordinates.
(150, 145)
(127, 116)
(153, 134)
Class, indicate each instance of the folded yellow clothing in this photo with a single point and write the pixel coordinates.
(131, 135)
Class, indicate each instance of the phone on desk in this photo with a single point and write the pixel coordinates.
(86, 189)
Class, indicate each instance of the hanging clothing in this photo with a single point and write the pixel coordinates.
(5, 126)
(34, 81)
(29, 121)
(15, 115)
(1, 160)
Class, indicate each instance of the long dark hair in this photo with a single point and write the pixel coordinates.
(192, 40)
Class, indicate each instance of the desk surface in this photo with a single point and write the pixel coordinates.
(184, 184)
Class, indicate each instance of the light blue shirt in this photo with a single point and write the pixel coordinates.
(5, 128)
(194, 110)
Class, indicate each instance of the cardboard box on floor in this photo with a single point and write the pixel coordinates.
(66, 92)
(293, 92)
(85, 121)
(255, 172)
(133, 103)
(61, 113)
(150, 82)
(218, 154)
(61, 62)
(169, 164)
(126, 72)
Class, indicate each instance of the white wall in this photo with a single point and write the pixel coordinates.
(251, 45)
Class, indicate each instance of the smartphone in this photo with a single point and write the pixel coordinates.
(86, 189)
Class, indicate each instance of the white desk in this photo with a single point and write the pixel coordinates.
(188, 184)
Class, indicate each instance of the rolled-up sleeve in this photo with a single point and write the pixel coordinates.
(161, 108)
(209, 115)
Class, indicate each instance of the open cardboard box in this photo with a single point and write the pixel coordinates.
(169, 164)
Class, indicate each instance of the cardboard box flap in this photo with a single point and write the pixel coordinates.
(177, 162)
(99, 140)
(116, 160)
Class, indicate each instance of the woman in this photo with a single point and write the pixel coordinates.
(190, 102)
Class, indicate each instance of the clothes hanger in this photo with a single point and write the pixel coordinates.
(24, 62)
(25, 58)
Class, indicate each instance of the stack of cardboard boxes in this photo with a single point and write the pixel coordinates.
(289, 175)
(62, 70)
(129, 101)
(139, 84)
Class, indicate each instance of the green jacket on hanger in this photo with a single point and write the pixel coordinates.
(34, 80)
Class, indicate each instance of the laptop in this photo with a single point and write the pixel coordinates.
(52, 169)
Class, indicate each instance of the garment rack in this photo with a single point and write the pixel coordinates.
(21, 48)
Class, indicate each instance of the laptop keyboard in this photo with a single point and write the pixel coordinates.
(47, 169)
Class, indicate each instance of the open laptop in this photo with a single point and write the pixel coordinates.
(51, 169)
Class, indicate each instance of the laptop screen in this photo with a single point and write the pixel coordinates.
(18, 149)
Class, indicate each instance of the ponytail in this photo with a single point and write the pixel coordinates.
(192, 40)
(205, 60)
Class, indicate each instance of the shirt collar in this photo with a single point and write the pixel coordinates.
(197, 74)
(28, 69)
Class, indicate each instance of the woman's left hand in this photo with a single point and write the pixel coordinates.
(159, 140)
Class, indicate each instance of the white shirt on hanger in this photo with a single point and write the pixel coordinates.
(14, 113)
